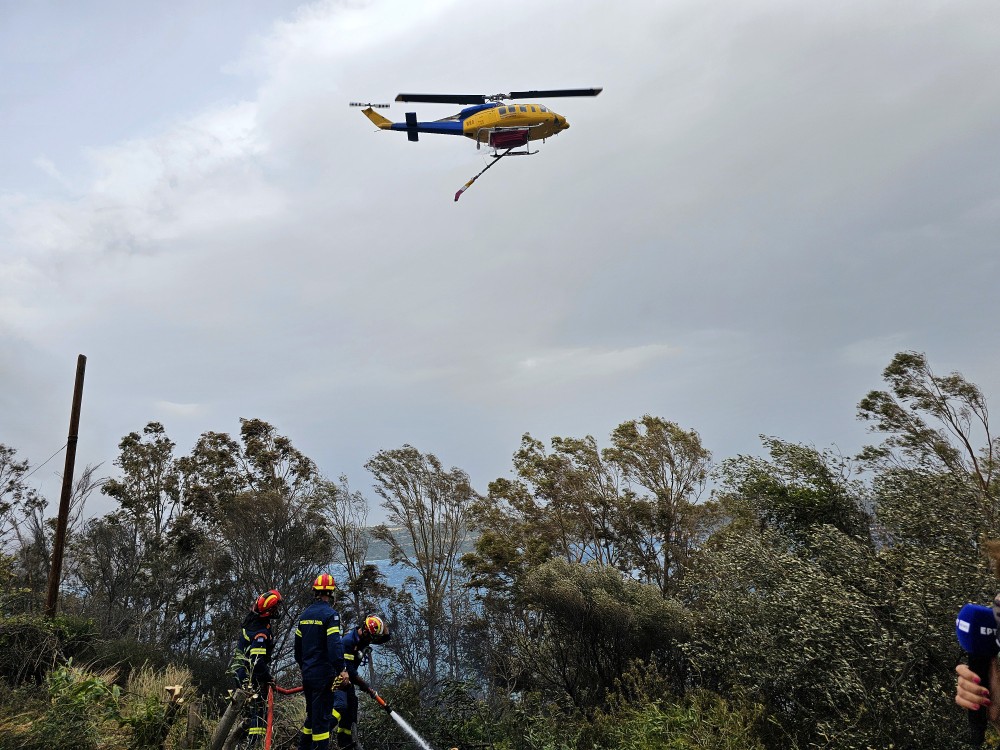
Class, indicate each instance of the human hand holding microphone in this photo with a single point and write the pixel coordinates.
(976, 629)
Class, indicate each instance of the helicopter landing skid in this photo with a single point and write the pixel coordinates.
(496, 157)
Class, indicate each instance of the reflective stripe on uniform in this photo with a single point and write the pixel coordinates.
(334, 629)
(306, 730)
(349, 657)
(321, 736)
(258, 652)
(298, 632)
(336, 714)
(343, 731)
(257, 730)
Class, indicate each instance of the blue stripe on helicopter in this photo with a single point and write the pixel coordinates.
(446, 128)
(469, 111)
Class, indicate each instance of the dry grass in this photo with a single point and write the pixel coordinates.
(149, 683)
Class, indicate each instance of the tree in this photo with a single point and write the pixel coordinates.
(934, 423)
(257, 503)
(830, 600)
(122, 561)
(35, 535)
(429, 506)
(348, 514)
(666, 468)
(797, 490)
(16, 497)
(588, 623)
(634, 506)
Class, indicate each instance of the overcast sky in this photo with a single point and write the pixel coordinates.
(769, 199)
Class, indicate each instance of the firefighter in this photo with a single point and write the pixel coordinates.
(254, 670)
(357, 651)
(319, 653)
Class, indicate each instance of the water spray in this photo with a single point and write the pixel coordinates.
(421, 742)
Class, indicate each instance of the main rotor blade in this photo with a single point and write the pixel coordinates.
(443, 98)
(553, 92)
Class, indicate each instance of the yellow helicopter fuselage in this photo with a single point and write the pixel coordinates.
(484, 123)
(539, 119)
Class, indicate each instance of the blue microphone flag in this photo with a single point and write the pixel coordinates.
(976, 629)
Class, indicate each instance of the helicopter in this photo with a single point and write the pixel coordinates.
(506, 128)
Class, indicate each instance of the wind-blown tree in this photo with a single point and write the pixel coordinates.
(634, 506)
(35, 536)
(362, 581)
(429, 506)
(195, 539)
(831, 600)
(121, 561)
(256, 503)
(631, 509)
(785, 594)
(14, 493)
(934, 423)
(662, 521)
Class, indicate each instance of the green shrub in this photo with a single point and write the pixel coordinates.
(81, 712)
(700, 721)
(30, 645)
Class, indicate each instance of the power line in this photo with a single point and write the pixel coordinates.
(46, 461)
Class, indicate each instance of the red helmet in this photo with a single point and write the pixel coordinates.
(374, 625)
(267, 603)
(324, 582)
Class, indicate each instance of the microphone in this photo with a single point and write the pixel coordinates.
(976, 629)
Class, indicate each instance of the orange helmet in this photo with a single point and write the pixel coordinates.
(267, 602)
(324, 583)
(374, 625)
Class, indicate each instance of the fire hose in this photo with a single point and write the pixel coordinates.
(272, 689)
(372, 692)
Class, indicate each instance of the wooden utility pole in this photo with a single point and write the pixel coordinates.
(55, 573)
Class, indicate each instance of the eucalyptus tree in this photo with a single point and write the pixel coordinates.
(428, 525)
(254, 508)
(831, 600)
(662, 521)
(363, 582)
(634, 505)
(121, 561)
(14, 492)
(936, 424)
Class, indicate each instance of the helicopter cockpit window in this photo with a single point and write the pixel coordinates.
(542, 108)
(524, 108)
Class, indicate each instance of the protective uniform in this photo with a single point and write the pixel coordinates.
(254, 671)
(320, 655)
(356, 653)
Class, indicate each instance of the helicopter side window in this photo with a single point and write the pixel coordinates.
(502, 110)
(542, 108)
(524, 108)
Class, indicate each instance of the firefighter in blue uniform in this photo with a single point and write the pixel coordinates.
(254, 671)
(357, 651)
(319, 653)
